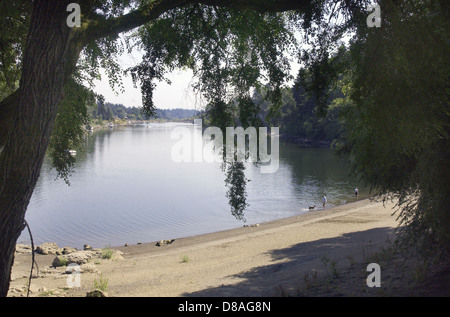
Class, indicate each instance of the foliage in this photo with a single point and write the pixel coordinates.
(68, 133)
(229, 51)
(110, 111)
(236, 194)
(14, 20)
(299, 115)
(397, 123)
(185, 259)
(393, 109)
(107, 252)
(101, 284)
(176, 113)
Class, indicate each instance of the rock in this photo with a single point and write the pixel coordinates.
(67, 250)
(89, 268)
(23, 248)
(78, 257)
(96, 293)
(60, 260)
(48, 248)
(87, 247)
(161, 242)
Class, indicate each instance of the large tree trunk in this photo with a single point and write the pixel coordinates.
(41, 86)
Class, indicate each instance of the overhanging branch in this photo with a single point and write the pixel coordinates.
(151, 11)
(113, 26)
(97, 29)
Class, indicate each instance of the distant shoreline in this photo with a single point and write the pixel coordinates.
(305, 142)
(300, 141)
(137, 122)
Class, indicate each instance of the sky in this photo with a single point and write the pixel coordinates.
(177, 95)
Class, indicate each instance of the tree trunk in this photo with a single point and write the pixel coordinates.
(41, 85)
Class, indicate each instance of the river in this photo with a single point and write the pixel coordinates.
(127, 188)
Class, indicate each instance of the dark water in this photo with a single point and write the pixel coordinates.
(127, 189)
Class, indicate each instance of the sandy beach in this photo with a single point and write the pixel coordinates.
(297, 256)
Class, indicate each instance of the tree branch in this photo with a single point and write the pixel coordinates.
(151, 11)
(93, 30)
(261, 6)
(113, 26)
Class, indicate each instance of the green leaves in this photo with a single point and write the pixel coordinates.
(237, 193)
(69, 131)
(394, 79)
(229, 51)
(397, 129)
(14, 20)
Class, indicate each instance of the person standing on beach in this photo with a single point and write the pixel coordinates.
(324, 200)
(356, 192)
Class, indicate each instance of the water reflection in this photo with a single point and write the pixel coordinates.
(126, 188)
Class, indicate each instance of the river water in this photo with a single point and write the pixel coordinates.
(127, 188)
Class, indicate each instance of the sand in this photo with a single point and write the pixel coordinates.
(278, 258)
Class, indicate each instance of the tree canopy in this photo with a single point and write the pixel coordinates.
(392, 82)
(397, 117)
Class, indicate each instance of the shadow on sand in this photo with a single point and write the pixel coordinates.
(292, 267)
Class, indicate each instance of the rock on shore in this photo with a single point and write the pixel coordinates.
(68, 255)
(77, 257)
(58, 270)
(48, 248)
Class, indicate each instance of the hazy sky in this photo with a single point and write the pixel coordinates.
(177, 95)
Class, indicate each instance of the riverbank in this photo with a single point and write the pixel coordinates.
(126, 122)
(305, 142)
(322, 253)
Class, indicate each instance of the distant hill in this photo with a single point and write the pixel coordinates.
(110, 111)
(175, 114)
